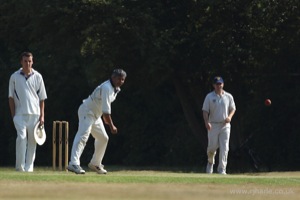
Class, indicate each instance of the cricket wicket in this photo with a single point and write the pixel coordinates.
(60, 125)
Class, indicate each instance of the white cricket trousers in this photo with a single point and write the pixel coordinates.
(218, 137)
(25, 142)
(89, 124)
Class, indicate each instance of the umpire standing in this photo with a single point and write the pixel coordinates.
(27, 95)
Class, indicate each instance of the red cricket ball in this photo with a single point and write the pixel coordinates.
(268, 102)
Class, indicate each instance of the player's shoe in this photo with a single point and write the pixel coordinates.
(99, 169)
(209, 168)
(222, 171)
(76, 169)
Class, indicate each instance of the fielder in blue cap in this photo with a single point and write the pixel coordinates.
(218, 110)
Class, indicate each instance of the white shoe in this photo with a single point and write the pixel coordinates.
(98, 169)
(222, 172)
(209, 168)
(76, 169)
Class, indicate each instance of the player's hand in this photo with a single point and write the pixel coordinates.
(208, 126)
(228, 120)
(41, 120)
(113, 129)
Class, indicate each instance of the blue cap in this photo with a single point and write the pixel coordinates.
(218, 79)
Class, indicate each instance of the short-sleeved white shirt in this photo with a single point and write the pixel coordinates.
(218, 106)
(27, 92)
(100, 100)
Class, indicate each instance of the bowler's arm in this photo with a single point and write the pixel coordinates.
(108, 120)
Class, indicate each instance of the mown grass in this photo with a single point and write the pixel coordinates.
(141, 176)
(130, 184)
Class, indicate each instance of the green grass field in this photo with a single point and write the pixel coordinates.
(146, 184)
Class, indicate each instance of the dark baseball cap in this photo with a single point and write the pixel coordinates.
(218, 79)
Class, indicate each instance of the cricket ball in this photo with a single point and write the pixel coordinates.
(268, 102)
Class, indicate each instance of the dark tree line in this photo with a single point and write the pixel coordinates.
(171, 50)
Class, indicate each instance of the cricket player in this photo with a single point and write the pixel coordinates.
(26, 102)
(218, 110)
(97, 105)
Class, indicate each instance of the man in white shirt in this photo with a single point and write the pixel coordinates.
(97, 105)
(26, 102)
(218, 110)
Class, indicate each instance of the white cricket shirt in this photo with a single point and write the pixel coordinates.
(218, 106)
(27, 92)
(100, 100)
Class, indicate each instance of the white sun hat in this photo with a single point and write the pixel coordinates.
(39, 134)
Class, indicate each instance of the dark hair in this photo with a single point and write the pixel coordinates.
(119, 72)
(26, 54)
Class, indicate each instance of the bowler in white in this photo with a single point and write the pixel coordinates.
(97, 105)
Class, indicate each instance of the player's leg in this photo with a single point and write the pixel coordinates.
(224, 148)
(101, 140)
(212, 148)
(31, 143)
(84, 128)
(21, 142)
